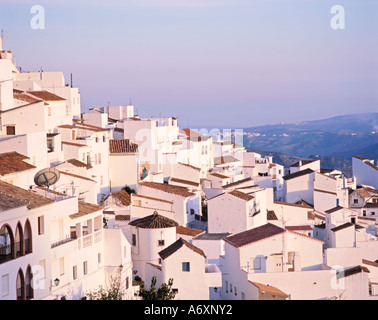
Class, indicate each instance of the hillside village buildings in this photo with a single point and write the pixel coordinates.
(141, 197)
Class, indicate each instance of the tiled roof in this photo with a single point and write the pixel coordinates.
(191, 183)
(154, 221)
(299, 228)
(334, 209)
(224, 160)
(241, 195)
(271, 215)
(189, 166)
(304, 162)
(78, 163)
(151, 198)
(122, 217)
(122, 146)
(33, 199)
(218, 175)
(298, 205)
(253, 235)
(325, 191)
(343, 226)
(176, 246)
(45, 95)
(236, 183)
(86, 208)
(178, 190)
(73, 144)
(122, 196)
(266, 288)
(361, 158)
(188, 231)
(10, 202)
(25, 97)
(351, 271)
(11, 162)
(193, 135)
(298, 174)
(75, 176)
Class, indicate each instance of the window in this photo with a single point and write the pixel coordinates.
(127, 282)
(236, 293)
(103, 138)
(230, 287)
(134, 239)
(226, 286)
(372, 213)
(364, 213)
(5, 285)
(11, 130)
(41, 225)
(85, 267)
(175, 291)
(99, 258)
(99, 158)
(355, 201)
(160, 242)
(74, 272)
(186, 266)
(192, 211)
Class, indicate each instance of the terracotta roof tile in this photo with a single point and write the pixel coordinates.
(241, 195)
(188, 231)
(78, 163)
(25, 97)
(178, 190)
(46, 95)
(153, 221)
(33, 199)
(122, 196)
(86, 208)
(191, 183)
(298, 174)
(11, 162)
(176, 246)
(269, 289)
(8, 202)
(253, 235)
(122, 146)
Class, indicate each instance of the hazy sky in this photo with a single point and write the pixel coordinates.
(213, 63)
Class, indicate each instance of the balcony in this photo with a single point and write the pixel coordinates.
(63, 241)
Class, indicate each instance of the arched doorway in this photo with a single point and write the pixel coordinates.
(20, 285)
(19, 241)
(27, 238)
(6, 244)
(29, 284)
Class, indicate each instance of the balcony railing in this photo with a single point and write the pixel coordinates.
(63, 241)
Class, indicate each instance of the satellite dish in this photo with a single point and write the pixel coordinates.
(46, 177)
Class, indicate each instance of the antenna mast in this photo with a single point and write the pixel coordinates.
(2, 36)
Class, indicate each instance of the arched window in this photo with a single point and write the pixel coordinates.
(19, 241)
(29, 284)
(27, 238)
(6, 244)
(20, 285)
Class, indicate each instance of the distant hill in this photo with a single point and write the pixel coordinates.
(340, 137)
(326, 162)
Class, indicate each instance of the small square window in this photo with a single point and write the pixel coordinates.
(186, 266)
(161, 243)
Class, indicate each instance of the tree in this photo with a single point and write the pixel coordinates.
(165, 291)
(114, 292)
(128, 189)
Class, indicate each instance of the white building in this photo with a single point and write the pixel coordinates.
(53, 247)
(148, 236)
(365, 171)
(236, 211)
(124, 167)
(193, 278)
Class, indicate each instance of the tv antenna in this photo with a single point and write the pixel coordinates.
(46, 177)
